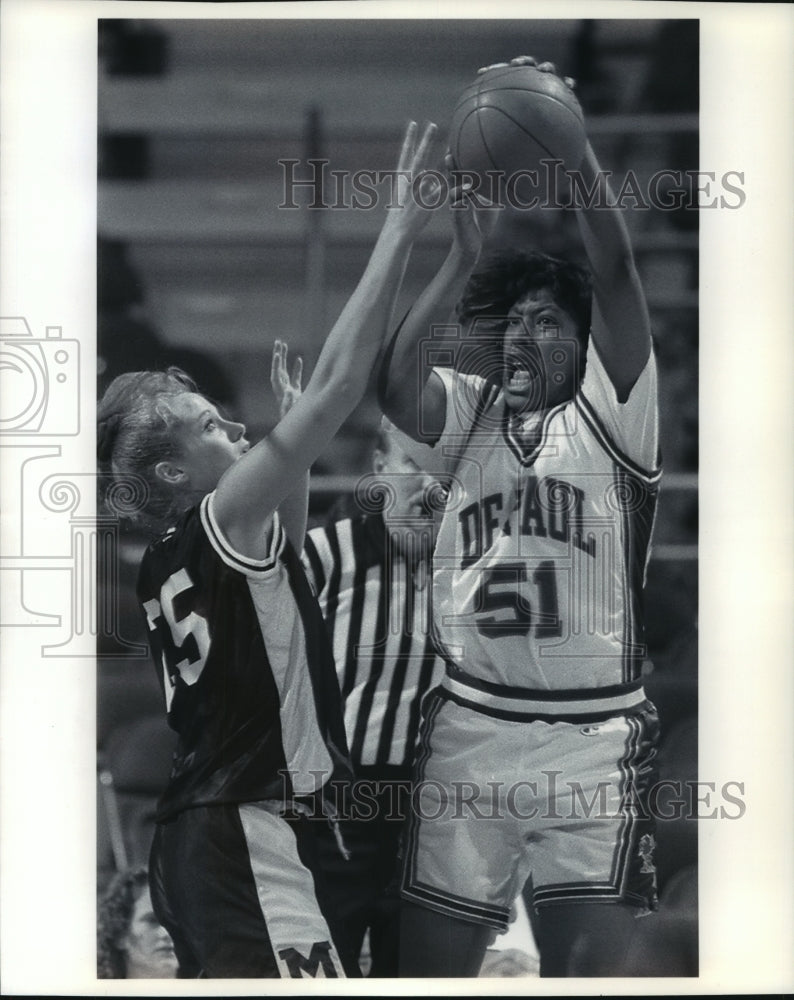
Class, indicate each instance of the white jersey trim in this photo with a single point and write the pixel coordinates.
(236, 560)
(597, 401)
(628, 431)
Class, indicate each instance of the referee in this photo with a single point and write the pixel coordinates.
(371, 573)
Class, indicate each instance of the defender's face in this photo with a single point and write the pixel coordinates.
(207, 443)
(541, 354)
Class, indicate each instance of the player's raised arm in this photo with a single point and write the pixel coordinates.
(620, 322)
(258, 482)
(621, 326)
(411, 395)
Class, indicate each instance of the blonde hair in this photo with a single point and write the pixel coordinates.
(135, 426)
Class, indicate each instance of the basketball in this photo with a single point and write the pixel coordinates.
(511, 118)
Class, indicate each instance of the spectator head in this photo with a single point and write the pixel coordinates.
(131, 943)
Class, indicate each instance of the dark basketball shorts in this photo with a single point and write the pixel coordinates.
(511, 784)
(237, 888)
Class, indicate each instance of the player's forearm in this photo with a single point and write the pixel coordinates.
(435, 306)
(604, 233)
(620, 324)
(406, 367)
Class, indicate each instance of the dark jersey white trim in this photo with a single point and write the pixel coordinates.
(245, 667)
(249, 567)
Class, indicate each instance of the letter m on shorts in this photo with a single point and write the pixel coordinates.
(300, 966)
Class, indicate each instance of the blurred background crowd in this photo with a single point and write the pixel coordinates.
(199, 267)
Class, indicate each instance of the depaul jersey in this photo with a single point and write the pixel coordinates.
(541, 556)
(245, 667)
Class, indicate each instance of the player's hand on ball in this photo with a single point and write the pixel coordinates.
(543, 67)
(415, 188)
(287, 390)
(473, 218)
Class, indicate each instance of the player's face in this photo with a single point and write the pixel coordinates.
(148, 947)
(407, 510)
(207, 443)
(541, 354)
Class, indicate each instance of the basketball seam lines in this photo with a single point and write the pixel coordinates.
(485, 141)
(518, 125)
(522, 90)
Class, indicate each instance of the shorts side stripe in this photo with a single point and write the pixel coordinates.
(299, 935)
(621, 877)
(629, 787)
(615, 887)
(411, 889)
(430, 709)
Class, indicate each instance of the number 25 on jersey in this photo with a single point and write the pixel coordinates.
(183, 634)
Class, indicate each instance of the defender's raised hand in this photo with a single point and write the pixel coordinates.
(415, 188)
(287, 390)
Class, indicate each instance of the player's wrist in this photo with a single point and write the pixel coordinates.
(396, 236)
(461, 258)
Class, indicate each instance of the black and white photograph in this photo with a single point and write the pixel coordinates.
(394, 455)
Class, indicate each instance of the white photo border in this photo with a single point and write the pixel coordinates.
(47, 837)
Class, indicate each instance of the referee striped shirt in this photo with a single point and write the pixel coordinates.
(376, 605)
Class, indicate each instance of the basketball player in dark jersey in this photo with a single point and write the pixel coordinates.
(237, 637)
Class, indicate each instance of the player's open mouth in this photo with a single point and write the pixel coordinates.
(520, 372)
(520, 380)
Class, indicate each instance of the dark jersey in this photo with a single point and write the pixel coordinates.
(245, 667)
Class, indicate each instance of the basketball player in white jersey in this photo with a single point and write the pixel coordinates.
(537, 749)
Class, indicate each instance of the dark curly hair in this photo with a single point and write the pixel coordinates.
(507, 276)
(113, 921)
